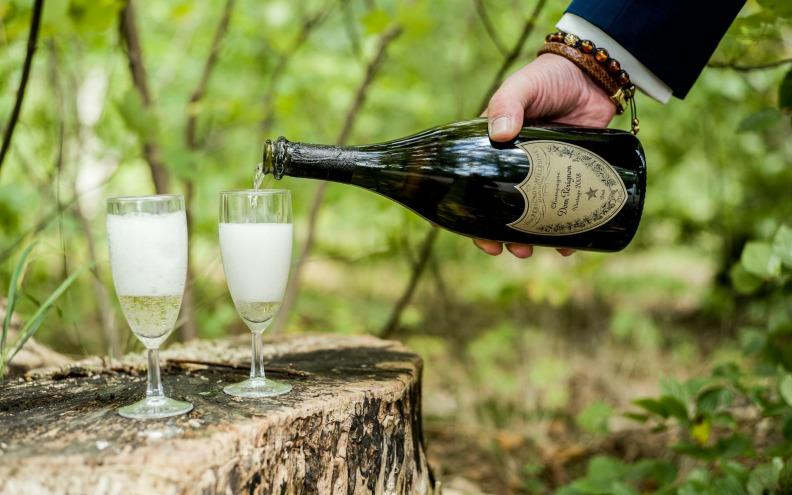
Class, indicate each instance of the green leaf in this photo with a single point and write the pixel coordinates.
(31, 329)
(759, 120)
(606, 467)
(726, 448)
(701, 429)
(728, 485)
(775, 409)
(35, 321)
(672, 387)
(764, 478)
(737, 470)
(752, 341)
(136, 116)
(782, 8)
(54, 18)
(785, 478)
(783, 449)
(622, 489)
(675, 407)
(726, 419)
(663, 471)
(729, 372)
(785, 92)
(709, 400)
(641, 418)
(786, 427)
(733, 446)
(695, 450)
(785, 388)
(654, 406)
(376, 21)
(594, 418)
(782, 245)
(745, 282)
(758, 259)
(94, 15)
(11, 303)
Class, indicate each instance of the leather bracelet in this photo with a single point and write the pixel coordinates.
(597, 64)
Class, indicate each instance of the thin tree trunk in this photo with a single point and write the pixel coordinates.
(360, 97)
(418, 270)
(431, 237)
(35, 22)
(131, 40)
(190, 328)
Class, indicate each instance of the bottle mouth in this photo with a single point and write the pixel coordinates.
(275, 158)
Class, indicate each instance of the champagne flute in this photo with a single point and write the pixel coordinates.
(256, 245)
(147, 240)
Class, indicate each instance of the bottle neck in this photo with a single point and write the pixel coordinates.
(312, 161)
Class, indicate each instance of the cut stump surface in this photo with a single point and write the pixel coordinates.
(351, 427)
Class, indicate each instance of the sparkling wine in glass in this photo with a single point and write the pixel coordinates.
(147, 240)
(256, 246)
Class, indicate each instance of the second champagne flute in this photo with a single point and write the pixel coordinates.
(256, 245)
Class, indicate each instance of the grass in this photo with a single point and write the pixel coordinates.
(33, 323)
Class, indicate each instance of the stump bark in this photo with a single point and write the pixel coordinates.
(352, 426)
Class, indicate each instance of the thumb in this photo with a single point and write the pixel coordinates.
(506, 108)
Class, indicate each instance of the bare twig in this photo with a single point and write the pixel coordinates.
(310, 24)
(481, 10)
(200, 89)
(415, 276)
(131, 41)
(513, 54)
(31, 49)
(350, 28)
(238, 366)
(189, 330)
(748, 68)
(360, 96)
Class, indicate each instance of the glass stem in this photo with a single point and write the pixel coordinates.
(257, 364)
(154, 385)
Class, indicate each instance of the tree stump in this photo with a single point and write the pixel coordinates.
(352, 426)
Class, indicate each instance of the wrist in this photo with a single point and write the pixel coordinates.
(598, 66)
(585, 86)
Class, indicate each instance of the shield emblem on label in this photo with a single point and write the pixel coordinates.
(568, 190)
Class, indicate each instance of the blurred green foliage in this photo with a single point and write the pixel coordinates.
(704, 290)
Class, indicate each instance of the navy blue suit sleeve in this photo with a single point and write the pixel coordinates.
(672, 38)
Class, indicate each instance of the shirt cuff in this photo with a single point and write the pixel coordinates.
(640, 76)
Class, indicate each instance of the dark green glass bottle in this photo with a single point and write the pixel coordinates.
(554, 185)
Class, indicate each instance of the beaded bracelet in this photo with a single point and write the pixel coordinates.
(605, 71)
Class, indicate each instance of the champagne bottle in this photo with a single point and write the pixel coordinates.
(554, 185)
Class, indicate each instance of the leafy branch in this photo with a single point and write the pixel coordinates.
(360, 96)
(31, 49)
(481, 10)
(748, 68)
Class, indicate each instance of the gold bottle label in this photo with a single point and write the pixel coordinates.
(568, 190)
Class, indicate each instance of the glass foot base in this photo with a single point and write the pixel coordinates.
(257, 387)
(155, 407)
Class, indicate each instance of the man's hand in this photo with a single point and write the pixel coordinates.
(550, 88)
